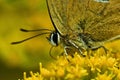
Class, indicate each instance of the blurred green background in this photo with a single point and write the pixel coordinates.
(15, 59)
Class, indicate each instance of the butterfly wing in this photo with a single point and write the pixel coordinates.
(66, 14)
(57, 11)
(105, 25)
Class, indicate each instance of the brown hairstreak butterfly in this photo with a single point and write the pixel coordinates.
(81, 25)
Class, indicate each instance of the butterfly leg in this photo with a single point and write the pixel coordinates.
(66, 54)
(105, 49)
(77, 47)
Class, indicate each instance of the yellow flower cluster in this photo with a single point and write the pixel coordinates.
(95, 67)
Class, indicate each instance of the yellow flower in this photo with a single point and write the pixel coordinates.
(105, 76)
(92, 67)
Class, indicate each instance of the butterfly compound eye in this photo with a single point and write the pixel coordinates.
(54, 38)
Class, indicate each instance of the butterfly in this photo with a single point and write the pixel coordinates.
(82, 25)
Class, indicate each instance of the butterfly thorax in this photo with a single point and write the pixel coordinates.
(80, 41)
(73, 41)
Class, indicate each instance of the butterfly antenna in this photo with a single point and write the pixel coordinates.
(17, 42)
(25, 30)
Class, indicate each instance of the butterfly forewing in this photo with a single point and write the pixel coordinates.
(105, 24)
(66, 14)
(57, 10)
